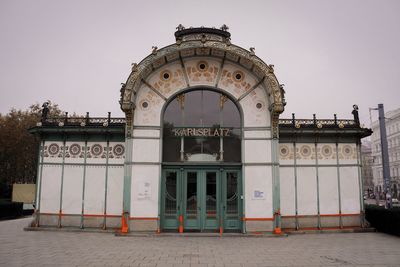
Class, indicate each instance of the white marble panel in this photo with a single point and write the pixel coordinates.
(146, 150)
(258, 191)
(72, 189)
(146, 133)
(115, 188)
(257, 151)
(349, 190)
(307, 191)
(255, 109)
(144, 190)
(287, 191)
(94, 189)
(50, 191)
(328, 190)
(257, 134)
(148, 107)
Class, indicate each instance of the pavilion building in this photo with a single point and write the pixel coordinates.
(201, 148)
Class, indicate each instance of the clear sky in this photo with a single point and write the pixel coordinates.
(329, 54)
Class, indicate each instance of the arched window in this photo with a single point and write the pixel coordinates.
(202, 125)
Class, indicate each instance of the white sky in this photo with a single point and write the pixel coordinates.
(329, 54)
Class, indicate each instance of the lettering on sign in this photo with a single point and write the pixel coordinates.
(201, 132)
(258, 194)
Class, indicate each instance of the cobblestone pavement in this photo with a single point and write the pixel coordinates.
(43, 248)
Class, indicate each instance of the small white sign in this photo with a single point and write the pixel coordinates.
(257, 194)
(144, 190)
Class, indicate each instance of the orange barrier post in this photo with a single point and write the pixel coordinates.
(180, 224)
(277, 230)
(124, 228)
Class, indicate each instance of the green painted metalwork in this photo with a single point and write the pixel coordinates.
(38, 189)
(106, 185)
(295, 187)
(62, 182)
(127, 178)
(339, 193)
(83, 185)
(317, 180)
(360, 183)
(276, 183)
(199, 195)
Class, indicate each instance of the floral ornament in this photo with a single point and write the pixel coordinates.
(75, 149)
(96, 150)
(54, 149)
(119, 150)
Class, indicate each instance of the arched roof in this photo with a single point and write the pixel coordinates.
(208, 42)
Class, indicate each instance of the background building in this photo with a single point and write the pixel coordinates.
(393, 137)
(367, 163)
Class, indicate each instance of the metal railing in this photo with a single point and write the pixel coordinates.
(82, 121)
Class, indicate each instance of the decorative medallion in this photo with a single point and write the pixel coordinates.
(284, 151)
(54, 149)
(96, 150)
(202, 66)
(260, 105)
(326, 151)
(75, 149)
(119, 150)
(165, 75)
(144, 104)
(347, 151)
(305, 151)
(238, 76)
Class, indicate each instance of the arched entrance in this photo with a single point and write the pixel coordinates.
(201, 187)
(207, 63)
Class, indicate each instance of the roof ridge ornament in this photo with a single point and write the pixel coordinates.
(154, 50)
(252, 51)
(224, 27)
(180, 27)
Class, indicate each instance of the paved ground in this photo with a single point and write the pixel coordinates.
(21, 248)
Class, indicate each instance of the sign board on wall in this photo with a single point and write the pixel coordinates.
(144, 190)
(258, 195)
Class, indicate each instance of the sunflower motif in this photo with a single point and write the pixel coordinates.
(119, 150)
(54, 149)
(96, 150)
(284, 151)
(75, 149)
(305, 151)
(326, 151)
(347, 151)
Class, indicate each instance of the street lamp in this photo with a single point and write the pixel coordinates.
(385, 157)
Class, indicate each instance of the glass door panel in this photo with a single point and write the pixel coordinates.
(211, 200)
(232, 200)
(170, 200)
(232, 196)
(192, 200)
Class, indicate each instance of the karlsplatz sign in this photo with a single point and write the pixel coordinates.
(203, 132)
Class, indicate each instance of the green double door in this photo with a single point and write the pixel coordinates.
(201, 200)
